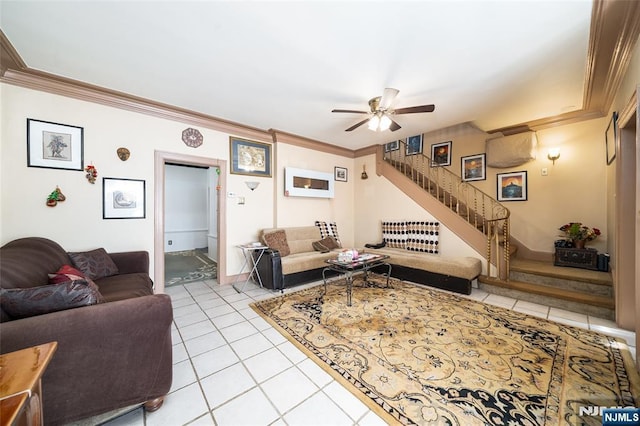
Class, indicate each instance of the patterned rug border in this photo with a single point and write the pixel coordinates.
(619, 347)
(351, 386)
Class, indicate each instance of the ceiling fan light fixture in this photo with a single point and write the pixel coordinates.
(379, 122)
(385, 123)
(374, 122)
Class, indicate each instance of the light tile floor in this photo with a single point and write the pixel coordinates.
(232, 368)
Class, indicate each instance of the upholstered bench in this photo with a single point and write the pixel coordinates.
(453, 273)
(413, 247)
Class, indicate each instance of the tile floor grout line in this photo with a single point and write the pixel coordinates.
(210, 290)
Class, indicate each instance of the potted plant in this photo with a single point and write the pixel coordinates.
(579, 234)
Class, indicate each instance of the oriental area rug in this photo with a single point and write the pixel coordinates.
(417, 355)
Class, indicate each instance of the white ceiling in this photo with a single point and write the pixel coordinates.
(286, 65)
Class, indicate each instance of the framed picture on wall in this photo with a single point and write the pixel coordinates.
(54, 145)
(441, 154)
(250, 158)
(340, 173)
(123, 198)
(611, 138)
(473, 167)
(414, 145)
(512, 186)
(392, 146)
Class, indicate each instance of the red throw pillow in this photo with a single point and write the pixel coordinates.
(64, 274)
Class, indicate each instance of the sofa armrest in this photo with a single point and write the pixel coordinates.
(109, 356)
(130, 262)
(270, 269)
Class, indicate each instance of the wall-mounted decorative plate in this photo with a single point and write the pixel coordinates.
(192, 137)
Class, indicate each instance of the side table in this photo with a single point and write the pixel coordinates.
(21, 390)
(250, 264)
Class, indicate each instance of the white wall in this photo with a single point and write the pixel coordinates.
(186, 210)
(77, 223)
(378, 200)
(304, 211)
(572, 191)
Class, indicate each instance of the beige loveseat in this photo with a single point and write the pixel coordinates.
(292, 259)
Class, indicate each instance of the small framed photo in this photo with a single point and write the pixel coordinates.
(340, 174)
(611, 138)
(250, 158)
(414, 145)
(473, 167)
(54, 145)
(123, 198)
(512, 186)
(441, 154)
(392, 146)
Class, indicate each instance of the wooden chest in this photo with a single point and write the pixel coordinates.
(576, 258)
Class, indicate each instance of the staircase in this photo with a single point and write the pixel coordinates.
(577, 290)
(473, 215)
(483, 223)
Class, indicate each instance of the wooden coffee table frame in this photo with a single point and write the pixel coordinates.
(349, 269)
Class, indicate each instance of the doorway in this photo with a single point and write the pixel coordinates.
(627, 190)
(190, 223)
(218, 249)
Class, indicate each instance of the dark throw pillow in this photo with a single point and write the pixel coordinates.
(277, 240)
(94, 264)
(326, 244)
(28, 302)
(317, 246)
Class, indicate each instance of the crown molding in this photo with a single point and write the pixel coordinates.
(367, 150)
(9, 57)
(289, 138)
(15, 72)
(615, 28)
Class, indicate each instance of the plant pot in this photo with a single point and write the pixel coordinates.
(579, 243)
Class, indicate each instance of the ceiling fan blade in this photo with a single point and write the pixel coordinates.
(394, 126)
(355, 126)
(412, 110)
(350, 111)
(387, 98)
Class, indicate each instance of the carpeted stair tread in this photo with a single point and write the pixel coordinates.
(535, 267)
(558, 293)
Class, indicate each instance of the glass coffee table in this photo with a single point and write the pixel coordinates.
(362, 264)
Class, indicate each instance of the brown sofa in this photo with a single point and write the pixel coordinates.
(110, 355)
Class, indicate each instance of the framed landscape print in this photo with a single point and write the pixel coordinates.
(414, 145)
(441, 154)
(250, 158)
(54, 145)
(123, 198)
(473, 167)
(512, 186)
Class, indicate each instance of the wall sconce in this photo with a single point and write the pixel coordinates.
(364, 172)
(554, 154)
(252, 185)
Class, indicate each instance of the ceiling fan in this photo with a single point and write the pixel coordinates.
(379, 118)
